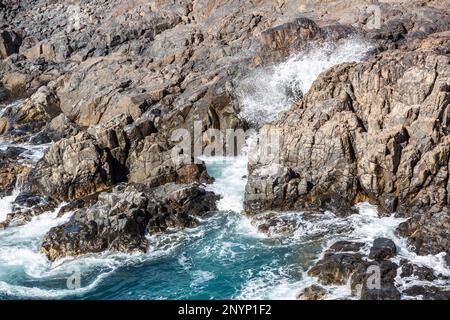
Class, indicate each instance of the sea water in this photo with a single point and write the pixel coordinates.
(225, 256)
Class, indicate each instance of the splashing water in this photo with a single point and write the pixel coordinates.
(265, 92)
(226, 256)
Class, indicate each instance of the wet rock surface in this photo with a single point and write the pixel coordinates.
(336, 267)
(26, 206)
(335, 152)
(107, 92)
(121, 218)
(428, 232)
(428, 292)
(382, 249)
(312, 292)
(343, 263)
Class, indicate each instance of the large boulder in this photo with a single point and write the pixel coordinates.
(152, 161)
(73, 167)
(384, 288)
(382, 249)
(427, 233)
(338, 263)
(313, 292)
(122, 217)
(343, 263)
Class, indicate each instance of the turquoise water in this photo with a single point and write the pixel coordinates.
(224, 257)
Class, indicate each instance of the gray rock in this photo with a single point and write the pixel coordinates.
(342, 144)
(428, 292)
(313, 292)
(71, 168)
(382, 249)
(121, 218)
(10, 42)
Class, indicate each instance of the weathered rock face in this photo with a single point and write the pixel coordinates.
(151, 161)
(368, 289)
(116, 151)
(372, 131)
(72, 168)
(10, 170)
(61, 127)
(19, 121)
(427, 233)
(336, 267)
(121, 218)
(20, 78)
(10, 42)
(312, 292)
(344, 263)
(382, 249)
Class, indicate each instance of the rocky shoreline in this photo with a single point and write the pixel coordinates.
(102, 94)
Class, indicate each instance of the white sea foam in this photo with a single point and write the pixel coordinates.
(6, 204)
(267, 91)
(262, 95)
(230, 184)
(365, 227)
(200, 276)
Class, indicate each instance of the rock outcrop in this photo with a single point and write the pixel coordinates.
(121, 218)
(72, 168)
(427, 233)
(344, 263)
(106, 83)
(373, 131)
(312, 292)
(10, 42)
(382, 249)
(10, 170)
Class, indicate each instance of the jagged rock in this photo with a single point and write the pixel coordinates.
(10, 42)
(364, 282)
(422, 273)
(83, 202)
(121, 218)
(312, 292)
(24, 119)
(294, 36)
(337, 264)
(26, 206)
(99, 91)
(428, 232)
(21, 78)
(382, 249)
(428, 292)
(351, 139)
(61, 127)
(151, 160)
(71, 168)
(346, 246)
(342, 262)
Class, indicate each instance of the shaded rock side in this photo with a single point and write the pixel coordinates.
(121, 218)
